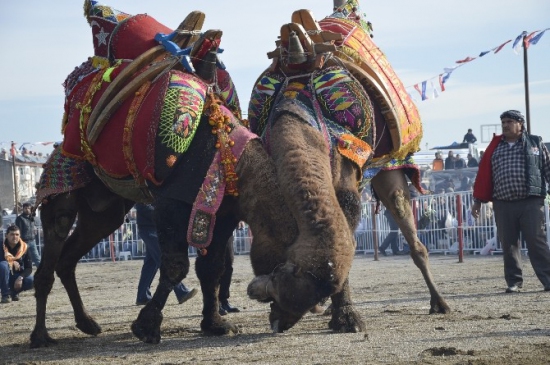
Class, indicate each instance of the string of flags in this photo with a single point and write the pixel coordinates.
(24, 146)
(432, 87)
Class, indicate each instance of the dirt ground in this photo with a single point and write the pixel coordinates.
(485, 327)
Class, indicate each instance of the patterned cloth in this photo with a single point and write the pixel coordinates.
(62, 174)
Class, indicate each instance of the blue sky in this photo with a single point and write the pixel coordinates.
(42, 42)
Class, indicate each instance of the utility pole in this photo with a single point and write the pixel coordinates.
(526, 81)
(15, 182)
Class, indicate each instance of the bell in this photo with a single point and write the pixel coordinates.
(205, 68)
(296, 53)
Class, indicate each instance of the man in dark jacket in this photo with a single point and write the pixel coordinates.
(25, 222)
(514, 173)
(15, 266)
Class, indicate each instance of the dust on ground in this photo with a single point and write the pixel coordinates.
(486, 326)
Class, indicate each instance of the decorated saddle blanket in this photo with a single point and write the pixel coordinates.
(336, 105)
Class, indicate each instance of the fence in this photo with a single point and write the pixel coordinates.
(444, 225)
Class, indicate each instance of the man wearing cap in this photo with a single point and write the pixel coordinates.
(514, 173)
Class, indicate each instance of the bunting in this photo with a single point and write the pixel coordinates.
(437, 83)
(25, 145)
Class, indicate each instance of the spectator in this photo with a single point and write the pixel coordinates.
(469, 137)
(25, 222)
(459, 162)
(450, 161)
(151, 264)
(472, 162)
(15, 266)
(438, 163)
(391, 239)
(514, 175)
(225, 280)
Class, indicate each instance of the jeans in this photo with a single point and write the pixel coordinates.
(151, 265)
(33, 251)
(7, 280)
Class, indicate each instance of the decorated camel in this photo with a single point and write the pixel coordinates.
(333, 115)
(153, 117)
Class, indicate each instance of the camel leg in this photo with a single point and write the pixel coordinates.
(61, 254)
(90, 229)
(172, 217)
(391, 188)
(345, 317)
(57, 218)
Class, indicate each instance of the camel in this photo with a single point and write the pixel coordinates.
(332, 104)
(146, 125)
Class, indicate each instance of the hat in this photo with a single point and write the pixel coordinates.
(513, 114)
(103, 20)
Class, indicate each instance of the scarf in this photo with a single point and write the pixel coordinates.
(10, 258)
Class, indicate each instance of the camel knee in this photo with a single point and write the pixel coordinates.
(400, 204)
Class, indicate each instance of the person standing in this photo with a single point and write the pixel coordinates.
(459, 162)
(15, 266)
(147, 231)
(225, 280)
(514, 173)
(438, 163)
(469, 137)
(25, 222)
(450, 161)
(391, 239)
(472, 162)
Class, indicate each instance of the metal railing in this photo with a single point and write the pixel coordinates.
(444, 225)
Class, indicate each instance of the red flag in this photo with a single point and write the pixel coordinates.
(467, 59)
(13, 151)
(501, 46)
(441, 83)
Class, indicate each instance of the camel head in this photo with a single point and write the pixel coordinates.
(293, 290)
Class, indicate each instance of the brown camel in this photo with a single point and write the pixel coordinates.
(326, 123)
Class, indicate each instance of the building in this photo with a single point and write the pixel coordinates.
(28, 168)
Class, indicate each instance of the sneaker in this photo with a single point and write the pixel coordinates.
(513, 289)
(5, 299)
(142, 302)
(188, 296)
(15, 297)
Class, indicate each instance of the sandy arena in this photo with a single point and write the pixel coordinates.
(485, 327)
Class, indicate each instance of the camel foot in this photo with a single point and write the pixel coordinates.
(147, 325)
(41, 338)
(281, 320)
(89, 326)
(217, 326)
(346, 320)
(439, 305)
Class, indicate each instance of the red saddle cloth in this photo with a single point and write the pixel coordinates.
(121, 148)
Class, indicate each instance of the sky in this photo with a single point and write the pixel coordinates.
(42, 42)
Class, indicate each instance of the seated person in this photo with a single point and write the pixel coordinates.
(15, 266)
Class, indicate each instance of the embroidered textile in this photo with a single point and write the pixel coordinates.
(61, 174)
